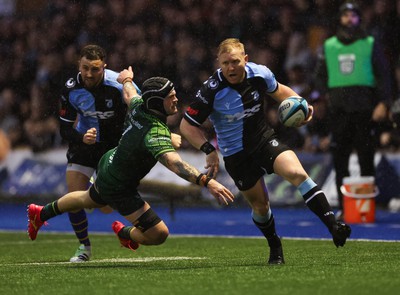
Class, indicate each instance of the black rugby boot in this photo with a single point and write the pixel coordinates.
(340, 232)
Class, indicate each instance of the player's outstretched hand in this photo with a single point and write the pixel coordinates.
(220, 192)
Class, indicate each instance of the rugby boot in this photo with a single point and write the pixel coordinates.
(82, 254)
(340, 232)
(34, 221)
(127, 243)
(276, 256)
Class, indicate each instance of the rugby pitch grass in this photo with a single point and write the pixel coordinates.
(196, 265)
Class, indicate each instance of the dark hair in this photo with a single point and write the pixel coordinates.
(154, 91)
(93, 52)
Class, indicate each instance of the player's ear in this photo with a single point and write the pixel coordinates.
(105, 65)
(246, 57)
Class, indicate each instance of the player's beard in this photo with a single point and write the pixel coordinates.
(91, 83)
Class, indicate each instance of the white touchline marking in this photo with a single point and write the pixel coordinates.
(109, 260)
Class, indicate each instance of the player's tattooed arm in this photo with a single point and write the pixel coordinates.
(174, 162)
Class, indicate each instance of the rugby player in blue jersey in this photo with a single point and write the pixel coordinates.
(91, 121)
(233, 99)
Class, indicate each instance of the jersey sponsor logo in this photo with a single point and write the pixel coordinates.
(133, 122)
(111, 158)
(136, 124)
(213, 83)
(201, 97)
(70, 83)
(245, 114)
(161, 138)
(192, 112)
(98, 114)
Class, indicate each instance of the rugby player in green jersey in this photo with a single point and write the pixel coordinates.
(145, 140)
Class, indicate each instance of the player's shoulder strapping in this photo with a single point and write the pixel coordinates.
(257, 70)
(110, 79)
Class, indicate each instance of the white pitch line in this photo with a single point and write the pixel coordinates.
(111, 260)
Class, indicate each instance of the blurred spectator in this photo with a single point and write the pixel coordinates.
(7, 7)
(299, 54)
(10, 123)
(390, 136)
(317, 133)
(298, 80)
(41, 127)
(381, 24)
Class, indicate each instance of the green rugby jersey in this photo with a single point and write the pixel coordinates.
(145, 138)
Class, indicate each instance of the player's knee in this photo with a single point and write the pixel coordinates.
(156, 235)
(162, 235)
(296, 175)
(152, 225)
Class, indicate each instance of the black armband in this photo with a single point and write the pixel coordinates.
(208, 179)
(203, 179)
(199, 177)
(207, 148)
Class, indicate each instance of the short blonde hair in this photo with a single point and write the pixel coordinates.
(227, 45)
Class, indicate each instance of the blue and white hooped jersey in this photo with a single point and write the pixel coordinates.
(236, 111)
(102, 107)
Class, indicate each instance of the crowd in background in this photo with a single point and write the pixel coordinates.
(39, 50)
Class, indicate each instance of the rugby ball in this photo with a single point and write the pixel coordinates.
(292, 111)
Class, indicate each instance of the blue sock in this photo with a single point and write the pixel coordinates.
(306, 186)
(315, 199)
(261, 219)
(266, 224)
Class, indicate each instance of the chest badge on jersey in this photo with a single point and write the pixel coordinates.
(109, 103)
(274, 142)
(346, 62)
(70, 83)
(213, 84)
(255, 95)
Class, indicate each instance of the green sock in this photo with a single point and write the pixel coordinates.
(125, 232)
(49, 211)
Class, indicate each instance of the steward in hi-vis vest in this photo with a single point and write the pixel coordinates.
(351, 64)
(353, 74)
